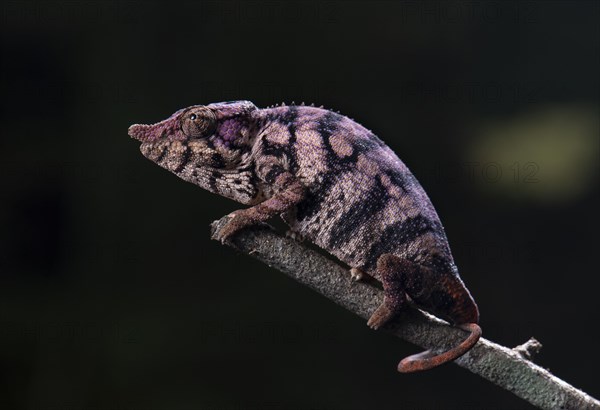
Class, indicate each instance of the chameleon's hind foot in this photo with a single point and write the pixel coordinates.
(381, 316)
(390, 269)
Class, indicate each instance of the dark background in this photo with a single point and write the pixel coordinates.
(112, 296)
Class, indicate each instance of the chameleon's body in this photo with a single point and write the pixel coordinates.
(334, 183)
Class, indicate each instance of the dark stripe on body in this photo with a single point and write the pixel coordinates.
(398, 234)
(272, 175)
(216, 160)
(212, 182)
(351, 221)
(162, 154)
(185, 159)
(290, 118)
(402, 180)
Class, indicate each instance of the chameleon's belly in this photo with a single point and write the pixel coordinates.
(357, 218)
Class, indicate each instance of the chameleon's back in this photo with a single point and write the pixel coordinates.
(362, 201)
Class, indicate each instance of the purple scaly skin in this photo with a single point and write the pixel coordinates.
(335, 184)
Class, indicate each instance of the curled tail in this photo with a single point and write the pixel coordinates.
(428, 360)
(453, 302)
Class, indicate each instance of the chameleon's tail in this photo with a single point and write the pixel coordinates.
(462, 312)
(443, 294)
(428, 360)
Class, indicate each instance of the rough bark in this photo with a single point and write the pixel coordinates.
(508, 368)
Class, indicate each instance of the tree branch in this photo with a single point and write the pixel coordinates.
(507, 368)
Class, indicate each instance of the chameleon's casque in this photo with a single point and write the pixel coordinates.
(334, 183)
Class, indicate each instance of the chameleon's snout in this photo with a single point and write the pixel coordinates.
(137, 131)
(168, 128)
(148, 133)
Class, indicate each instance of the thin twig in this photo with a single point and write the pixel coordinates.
(507, 368)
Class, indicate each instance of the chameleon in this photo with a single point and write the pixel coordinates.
(334, 183)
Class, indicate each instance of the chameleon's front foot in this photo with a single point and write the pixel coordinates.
(238, 220)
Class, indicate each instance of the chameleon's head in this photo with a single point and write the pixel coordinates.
(200, 136)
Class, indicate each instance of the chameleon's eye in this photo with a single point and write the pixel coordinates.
(199, 124)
